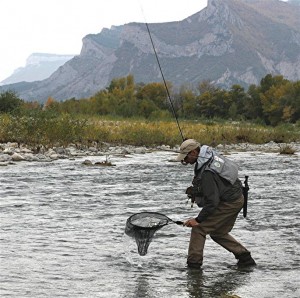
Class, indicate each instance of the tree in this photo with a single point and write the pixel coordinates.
(50, 103)
(214, 104)
(100, 102)
(146, 107)
(290, 102)
(154, 92)
(294, 95)
(205, 86)
(269, 81)
(121, 83)
(206, 103)
(238, 99)
(274, 103)
(9, 101)
(189, 102)
(253, 106)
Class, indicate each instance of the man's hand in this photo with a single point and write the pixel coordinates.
(190, 191)
(191, 223)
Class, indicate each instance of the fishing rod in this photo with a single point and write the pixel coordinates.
(163, 77)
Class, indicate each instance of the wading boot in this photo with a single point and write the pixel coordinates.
(245, 260)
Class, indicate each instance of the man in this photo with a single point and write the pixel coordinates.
(217, 189)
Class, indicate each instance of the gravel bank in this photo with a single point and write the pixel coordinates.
(12, 152)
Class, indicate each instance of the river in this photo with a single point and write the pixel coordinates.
(62, 230)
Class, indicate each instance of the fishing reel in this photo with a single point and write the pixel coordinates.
(195, 194)
(190, 192)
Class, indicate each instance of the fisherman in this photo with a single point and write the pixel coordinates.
(217, 189)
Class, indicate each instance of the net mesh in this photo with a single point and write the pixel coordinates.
(142, 227)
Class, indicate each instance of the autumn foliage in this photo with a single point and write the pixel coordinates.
(141, 114)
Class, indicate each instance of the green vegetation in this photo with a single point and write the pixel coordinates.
(140, 114)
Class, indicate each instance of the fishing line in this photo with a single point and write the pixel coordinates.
(162, 74)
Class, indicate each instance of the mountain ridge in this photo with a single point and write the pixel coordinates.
(228, 42)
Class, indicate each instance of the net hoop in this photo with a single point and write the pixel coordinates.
(140, 215)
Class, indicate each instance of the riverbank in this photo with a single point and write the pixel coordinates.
(12, 152)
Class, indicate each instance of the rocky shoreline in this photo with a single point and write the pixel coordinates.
(13, 152)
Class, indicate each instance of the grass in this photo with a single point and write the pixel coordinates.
(62, 130)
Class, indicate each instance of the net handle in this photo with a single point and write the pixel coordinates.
(170, 220)
(177, 222)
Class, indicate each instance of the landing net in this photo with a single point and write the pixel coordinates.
(142, 226)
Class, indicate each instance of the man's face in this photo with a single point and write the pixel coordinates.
(191, 157)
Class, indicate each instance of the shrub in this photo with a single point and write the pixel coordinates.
(287, 149)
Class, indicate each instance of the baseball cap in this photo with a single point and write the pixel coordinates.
(186, 147)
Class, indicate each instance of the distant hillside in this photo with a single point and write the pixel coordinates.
(229, 42)
(39, 66)
(295, 2)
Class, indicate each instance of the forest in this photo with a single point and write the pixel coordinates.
(274, 105)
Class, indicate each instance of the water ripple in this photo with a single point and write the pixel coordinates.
(62, 230)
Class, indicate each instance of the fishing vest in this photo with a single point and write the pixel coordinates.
(220, 165)
(212, 161)
(224, 167)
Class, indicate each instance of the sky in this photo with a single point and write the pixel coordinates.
(58, 26)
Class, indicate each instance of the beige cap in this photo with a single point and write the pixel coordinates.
(186, 147)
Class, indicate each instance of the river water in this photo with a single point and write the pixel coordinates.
(62, 230)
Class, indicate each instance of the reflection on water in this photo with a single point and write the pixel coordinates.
(201, 284)
(62, 230)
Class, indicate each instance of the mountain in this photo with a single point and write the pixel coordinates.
(229, 42)
(296, 2)
(39, 66)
